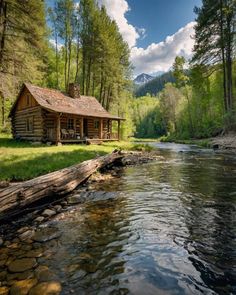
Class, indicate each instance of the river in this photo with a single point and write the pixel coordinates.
(166, 227)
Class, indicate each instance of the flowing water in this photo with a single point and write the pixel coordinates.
(166, 227)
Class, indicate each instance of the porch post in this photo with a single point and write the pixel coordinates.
(81, 128)
(119, 130)
(100, 128)
(110, 129)
(58, 129)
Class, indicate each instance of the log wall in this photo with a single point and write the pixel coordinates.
(27, 109)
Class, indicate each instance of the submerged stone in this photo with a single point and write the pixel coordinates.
(46, 288)
(21, 265)
(46, 234)
(22, 287)
(4, 290)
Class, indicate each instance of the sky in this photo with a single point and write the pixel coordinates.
(155, 30)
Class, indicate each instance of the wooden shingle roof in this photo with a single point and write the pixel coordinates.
(56, 101)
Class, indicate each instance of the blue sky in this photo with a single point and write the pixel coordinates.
(155, 30)
(160, 18)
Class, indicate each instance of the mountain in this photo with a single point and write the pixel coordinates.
(155, 85)
(142, 79)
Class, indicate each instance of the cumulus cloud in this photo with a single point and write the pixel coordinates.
(117, 9)
(160, 56)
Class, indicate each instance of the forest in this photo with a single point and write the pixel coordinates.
(52, 46)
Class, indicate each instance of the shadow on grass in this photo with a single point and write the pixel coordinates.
(45, 163)
(12, 143)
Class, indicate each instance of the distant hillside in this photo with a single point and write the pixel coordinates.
(142, 79)
(154, 86)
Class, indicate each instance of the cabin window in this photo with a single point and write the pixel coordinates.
(70, 123)
(96, 124)
(30, 124)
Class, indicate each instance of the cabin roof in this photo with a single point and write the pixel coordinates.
(56, 101)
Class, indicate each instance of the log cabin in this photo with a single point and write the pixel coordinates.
(48, 115)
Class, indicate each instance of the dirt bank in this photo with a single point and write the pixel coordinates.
(226, 142)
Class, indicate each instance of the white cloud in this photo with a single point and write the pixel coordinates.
(117, 9)
(160, 56)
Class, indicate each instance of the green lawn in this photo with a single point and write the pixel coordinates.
(22, 160)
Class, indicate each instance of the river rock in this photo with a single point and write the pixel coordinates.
(48, 213)
(72, 200)
(58, 208)
(46, 288)
(22, 229)
(34, 253)
(1, 241)
(4, 290)
(26, 235)
(46, 276)
(2, 262)
(3, 275)
(39, 219)
(46, 234)
(21, 265)
(22, 287)
(20, 276)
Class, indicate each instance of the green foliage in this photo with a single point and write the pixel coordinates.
(154, 86)
(147, 117)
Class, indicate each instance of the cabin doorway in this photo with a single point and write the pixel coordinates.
(85, 131)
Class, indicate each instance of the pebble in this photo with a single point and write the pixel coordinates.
(21, 265)
(22, 287)
(4, 290)
(48, 213)
(46, 276)
(34, 253)
(58, 208)
(1, 241)
(76, 199)
(46, 288)
(46, 234)
(22, 229)
(3, 275)
(20, 276)
(39, 219)
(26, 235)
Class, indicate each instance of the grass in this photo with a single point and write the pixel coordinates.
(22, 160)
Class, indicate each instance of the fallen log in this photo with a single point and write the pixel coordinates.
(58, 183)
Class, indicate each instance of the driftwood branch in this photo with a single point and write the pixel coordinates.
(58, 183)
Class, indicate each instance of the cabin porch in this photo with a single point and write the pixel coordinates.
(66, 128)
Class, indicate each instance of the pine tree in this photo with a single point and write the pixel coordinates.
(215, 37)
(22, 45)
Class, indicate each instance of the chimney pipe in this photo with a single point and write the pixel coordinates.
(74, 90)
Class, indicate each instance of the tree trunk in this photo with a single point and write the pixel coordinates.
(226, 103)
(4, 28)
(77, 62)
(3, 109)
(59, 183)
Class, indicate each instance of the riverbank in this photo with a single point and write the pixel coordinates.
(21, 161)
(226, 142)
